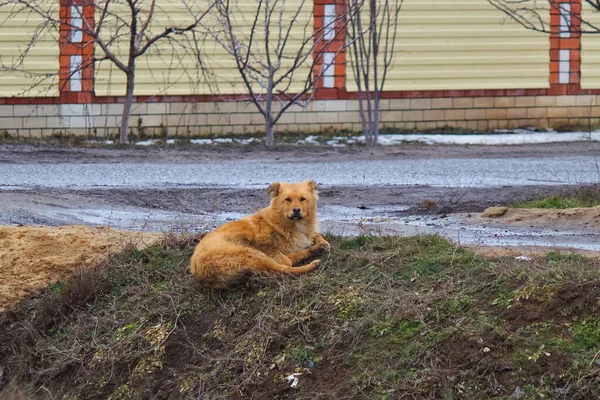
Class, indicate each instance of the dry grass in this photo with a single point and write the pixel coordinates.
(384, 317)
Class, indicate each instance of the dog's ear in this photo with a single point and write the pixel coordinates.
(273, 190)
(313, 186)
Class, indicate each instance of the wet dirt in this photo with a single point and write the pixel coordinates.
(452, 210)
(46, 153)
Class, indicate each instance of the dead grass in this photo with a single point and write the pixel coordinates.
(383, 318)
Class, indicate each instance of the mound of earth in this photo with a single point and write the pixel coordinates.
(575, 218)
(32, 257)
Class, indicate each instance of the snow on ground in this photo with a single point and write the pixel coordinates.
(500, 137)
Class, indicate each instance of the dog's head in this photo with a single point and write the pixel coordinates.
(295, 201)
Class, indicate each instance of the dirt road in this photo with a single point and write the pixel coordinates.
(378, 189)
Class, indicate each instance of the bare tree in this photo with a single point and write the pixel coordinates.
(372, 34)
(534, 15)
(117, 21)
(278, 53)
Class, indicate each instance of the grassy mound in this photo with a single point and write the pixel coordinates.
(583, 197)
(382, 318)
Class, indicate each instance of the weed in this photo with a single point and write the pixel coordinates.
(121, 393)
(578, 199)
(146, 366)
(586, 334)
(452, 307)
(300, 356)
(348, 302)
(356, 243)
(556, 258)
(360, 327)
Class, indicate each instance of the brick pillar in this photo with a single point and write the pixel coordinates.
(565, 47)
(76, 77)
(330, 48)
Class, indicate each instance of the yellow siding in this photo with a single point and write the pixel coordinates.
(468, 44)
(590, 49)
(171, 67)
(36, 75)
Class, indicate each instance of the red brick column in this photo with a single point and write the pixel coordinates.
(76, 85)
(328, 88)
(565, 47)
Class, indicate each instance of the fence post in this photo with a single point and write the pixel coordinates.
(76, 75)
(565, 47)
(330, 50)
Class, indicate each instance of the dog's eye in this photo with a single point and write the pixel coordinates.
(302, 199)
(288, 200)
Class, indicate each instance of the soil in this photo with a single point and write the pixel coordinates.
(212, 200)
(18, 206)
(568, 218)
(34, 257)
(47, 153)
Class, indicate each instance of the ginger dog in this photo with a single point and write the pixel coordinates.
(274, 240)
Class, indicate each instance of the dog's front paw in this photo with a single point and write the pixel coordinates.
(321, 248)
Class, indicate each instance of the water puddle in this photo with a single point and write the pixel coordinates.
(345, 221)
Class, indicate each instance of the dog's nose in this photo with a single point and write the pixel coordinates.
(296, 211)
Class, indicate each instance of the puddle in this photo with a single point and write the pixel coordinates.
(142, 220)
(466, 231)
(340, 220)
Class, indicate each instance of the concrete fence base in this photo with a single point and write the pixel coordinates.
(222, 118)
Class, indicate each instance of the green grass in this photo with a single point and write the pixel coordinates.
(382, 318)
(579, 199)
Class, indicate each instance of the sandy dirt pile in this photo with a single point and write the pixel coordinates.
(31, 257)
(574, 218)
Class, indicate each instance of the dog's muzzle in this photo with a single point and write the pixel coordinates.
(295, 214)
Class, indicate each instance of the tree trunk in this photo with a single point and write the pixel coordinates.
(369, 136)
(375, 46)
(361, 110)
(269, 124)
(376, 118)
(269, 131)
(123, 133)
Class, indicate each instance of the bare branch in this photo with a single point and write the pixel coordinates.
(269, 66)
(113, 25)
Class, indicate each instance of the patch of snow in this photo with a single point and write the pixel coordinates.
(222, 140)
(201, 141)
(312, 139)
(502, 137)
(101, 141)
(148, 142)
(335, 143)
(248, 141)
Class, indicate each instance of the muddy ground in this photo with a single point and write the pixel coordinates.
(52, 153)
(393, 209)
(198, 200)
(17, 206)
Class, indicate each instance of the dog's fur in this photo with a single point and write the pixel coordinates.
(275, 239)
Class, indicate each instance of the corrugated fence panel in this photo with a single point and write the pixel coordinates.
(171, 67)
(468, 44)
(28, 51)
(590, 48)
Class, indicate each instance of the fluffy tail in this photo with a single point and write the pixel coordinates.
(234, 266)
